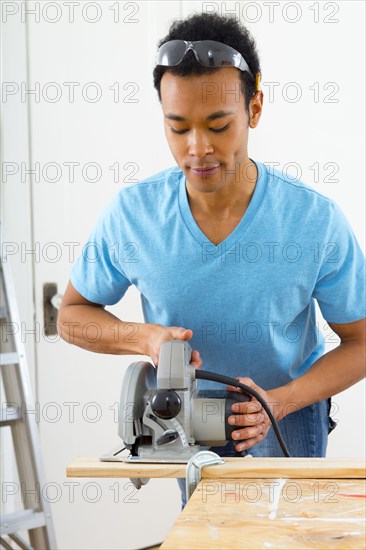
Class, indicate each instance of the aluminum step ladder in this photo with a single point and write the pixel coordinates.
(35, 518)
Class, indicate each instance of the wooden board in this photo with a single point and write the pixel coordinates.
(278, 514)
(247, 467)
(288, 467)
(93, 467)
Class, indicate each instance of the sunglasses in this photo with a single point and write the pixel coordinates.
(208, 53)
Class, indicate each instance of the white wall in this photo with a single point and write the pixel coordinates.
(303, 133)
(16, 194)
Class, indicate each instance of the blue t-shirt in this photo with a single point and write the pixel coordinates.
(250, 300)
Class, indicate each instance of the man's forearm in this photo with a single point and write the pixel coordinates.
(95, 329)
(334, 372)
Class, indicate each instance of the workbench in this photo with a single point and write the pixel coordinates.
(254, 503)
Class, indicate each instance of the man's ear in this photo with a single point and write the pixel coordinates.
(255, 109)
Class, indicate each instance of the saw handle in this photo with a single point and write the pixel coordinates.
(231, 398)
(215, 377)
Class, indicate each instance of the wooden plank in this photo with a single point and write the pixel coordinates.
(279, 514)
(287, 467)
(247, 467)
(93, 467)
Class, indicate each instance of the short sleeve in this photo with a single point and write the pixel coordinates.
(97, 274)
(340, 286)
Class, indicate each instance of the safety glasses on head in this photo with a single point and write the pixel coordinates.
(208, 53)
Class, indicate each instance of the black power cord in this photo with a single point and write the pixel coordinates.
(215, 377)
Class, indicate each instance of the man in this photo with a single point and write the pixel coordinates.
(227, 254)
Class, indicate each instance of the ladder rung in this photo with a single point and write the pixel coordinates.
(4, 544)
(9, 358)
(20, 542)
(21, 521)
(9, 415)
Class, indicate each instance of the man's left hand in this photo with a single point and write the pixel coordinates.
(250, 417)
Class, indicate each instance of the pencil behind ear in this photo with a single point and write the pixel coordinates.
(258, 82)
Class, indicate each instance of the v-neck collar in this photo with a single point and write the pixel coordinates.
(242, 226)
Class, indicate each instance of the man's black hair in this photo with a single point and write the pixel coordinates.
(210, 26)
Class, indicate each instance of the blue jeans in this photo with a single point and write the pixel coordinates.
(305, 433)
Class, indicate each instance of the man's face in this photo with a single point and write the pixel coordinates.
(207, 125)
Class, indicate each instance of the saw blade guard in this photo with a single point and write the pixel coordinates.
(139, 380)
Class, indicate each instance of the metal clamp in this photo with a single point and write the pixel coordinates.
(194, 467)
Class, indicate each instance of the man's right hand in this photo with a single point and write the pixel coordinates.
(162, 334)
